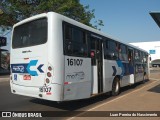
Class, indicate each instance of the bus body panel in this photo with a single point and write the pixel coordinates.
(54, 94)
(94, 80)
(55, 48)
(139, 72)
(110, 70)
(32, 64)
(77, 83)
(44, 55)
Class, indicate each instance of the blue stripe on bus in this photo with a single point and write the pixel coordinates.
(120, 64)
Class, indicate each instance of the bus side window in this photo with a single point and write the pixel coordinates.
(123, 52)
(137, 56)
(75, 41)
(106, 51)
(79, 42)
(113, 52)
(67, 39)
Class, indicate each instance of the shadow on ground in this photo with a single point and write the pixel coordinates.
(79, 104)
(155, 89)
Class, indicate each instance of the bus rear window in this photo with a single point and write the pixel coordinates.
(30, 34)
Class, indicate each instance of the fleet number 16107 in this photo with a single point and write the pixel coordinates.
(75, 62)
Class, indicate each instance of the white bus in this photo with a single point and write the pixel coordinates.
(59, 59)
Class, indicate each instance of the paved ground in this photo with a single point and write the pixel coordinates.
(140, 97)
(4, 78)
(146, 98)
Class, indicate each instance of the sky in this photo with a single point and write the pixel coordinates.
(125, 20)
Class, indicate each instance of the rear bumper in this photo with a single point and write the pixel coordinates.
(35, 92)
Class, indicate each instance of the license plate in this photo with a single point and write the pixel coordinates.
(26, 77)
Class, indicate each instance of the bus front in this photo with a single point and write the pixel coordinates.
(31, 73)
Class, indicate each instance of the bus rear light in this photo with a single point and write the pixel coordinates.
(92, 54)
(49, 68)
(49, 74)
(66, 83)
(47, 80)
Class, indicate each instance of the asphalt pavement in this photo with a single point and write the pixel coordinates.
(139, 97)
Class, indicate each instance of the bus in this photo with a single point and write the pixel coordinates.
(57, 58)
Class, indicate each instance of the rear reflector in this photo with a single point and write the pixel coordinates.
(49, 74)
(66, 83)
(49, 93)
(26, 77)
(49, 68)
(47, 80)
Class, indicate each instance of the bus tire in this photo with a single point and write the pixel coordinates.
(116, 87)
(144, 77)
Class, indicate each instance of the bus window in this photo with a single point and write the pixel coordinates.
(113, 52)
(110, 50)
(75, 41)
(30, 34)
(141, 57)
(79, 42)
(123, 52)
(137, 56)
(106, 50)
(67, 38)
(145, 58)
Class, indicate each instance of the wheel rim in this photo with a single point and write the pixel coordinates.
(117, 87)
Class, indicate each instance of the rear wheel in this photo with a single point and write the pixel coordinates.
(144, 77)
(115, 87)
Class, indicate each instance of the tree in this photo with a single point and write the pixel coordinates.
(17, 10)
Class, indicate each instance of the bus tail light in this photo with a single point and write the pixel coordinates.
(47, 80)
(49, 74)
(92, 54)
(50, 68)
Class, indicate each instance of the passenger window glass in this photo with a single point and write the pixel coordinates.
(75, 41)
(111, 50)
(123, 52)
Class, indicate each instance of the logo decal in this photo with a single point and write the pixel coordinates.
(26, 68)
(32, 63)
(120, 64)
(15, 76)
(40, 68)
(75, 76)
(19, 68)
(114, 70)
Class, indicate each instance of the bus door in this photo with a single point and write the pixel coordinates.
(131, 65)
(97, 65)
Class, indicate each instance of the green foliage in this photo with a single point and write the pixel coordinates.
(17, 10)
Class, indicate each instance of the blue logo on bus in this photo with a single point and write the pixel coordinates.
(19, 68)
(25, 68)
(15, 76)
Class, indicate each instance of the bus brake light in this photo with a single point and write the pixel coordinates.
(49, 74)
(92, 54)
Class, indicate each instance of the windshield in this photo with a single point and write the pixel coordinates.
(30, 34)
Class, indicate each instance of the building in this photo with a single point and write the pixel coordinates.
(153, 48)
